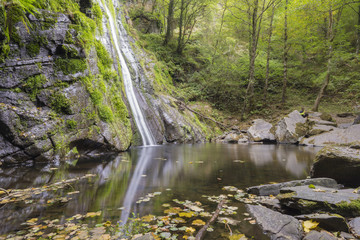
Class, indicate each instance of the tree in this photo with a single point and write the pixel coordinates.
(268, 53)
(170, 20)
(283, 97)
(251, 13)
(190, 12)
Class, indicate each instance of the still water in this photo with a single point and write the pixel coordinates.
(184, 172)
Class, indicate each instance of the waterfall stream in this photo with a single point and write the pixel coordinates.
(123, 49)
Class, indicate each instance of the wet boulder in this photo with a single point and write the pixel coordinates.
(260, 131)
(323, 235)
(336, 136)
(275, 224)
(327, 221)
(355, 226)
(339, 163)
(289, 129)
(312, 199)
(274, 189)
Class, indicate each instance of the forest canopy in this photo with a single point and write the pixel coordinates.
(248, 57)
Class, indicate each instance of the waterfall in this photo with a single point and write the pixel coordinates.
(122, 47)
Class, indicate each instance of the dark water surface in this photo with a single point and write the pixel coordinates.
(184, 172)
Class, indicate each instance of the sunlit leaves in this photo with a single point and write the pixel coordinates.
(309, 225)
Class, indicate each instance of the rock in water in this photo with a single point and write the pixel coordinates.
(323, 235)
(288, 129)
(330, 222)
(274, 189)
(341, 164)
(276, 225)
(355, 226)
(260, 131)
(309, 200)
(336, 136)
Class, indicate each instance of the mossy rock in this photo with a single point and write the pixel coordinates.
(326, 117)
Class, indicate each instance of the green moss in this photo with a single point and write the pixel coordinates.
(105, 113)
(90, 83)
(70, 66)
(70, 52)
(71, 124)
(350, 209)
(103, 55)
(33, 85)
(33, 49)
(120, 109)
(60, 104)
(69, 39)
(98, 16)
(85, 28)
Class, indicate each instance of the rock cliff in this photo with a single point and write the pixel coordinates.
(62, 90)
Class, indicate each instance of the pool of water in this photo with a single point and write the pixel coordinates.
(184, 172)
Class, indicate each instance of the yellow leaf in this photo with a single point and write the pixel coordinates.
(309, 224)
(198, 222)
(148, 218)
(93, 214)
(172, 211)
(186, 214)
(32, 220)
(237, 237)
(190, 230)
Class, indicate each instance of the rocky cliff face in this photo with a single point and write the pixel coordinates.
(62, 91)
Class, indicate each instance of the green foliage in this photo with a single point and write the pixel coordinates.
(90, 83)
(105, 113)
(60, 104)
(103, 55)
(33, 85)
(98, 16)
(71, 124)
(70, 66)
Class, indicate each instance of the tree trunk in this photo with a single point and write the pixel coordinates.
(179, 46)
(169, 29)
(358, 33)
(268, 55)
(248, 100)
(220, 30)
(330, 36)
(283, 98)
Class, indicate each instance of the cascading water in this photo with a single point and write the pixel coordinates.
(118, 34)
(122, 47)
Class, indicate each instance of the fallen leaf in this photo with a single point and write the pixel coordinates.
(309, 224)
(198, 222)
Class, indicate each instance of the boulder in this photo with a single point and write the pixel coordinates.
(274, 224)
(355, 226)
(308, 199)
(330, 222)
(260, 131)
(323, 235)
(336, 136)
(323, 122)
(274, 189)
(339, 163)
(232, 138)
(318, 129)
(287, 129)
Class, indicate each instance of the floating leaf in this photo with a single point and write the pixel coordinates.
(166, 205)
(309, 224)
(148, 218)
(178, 220)
(186, 214)
(198, 222)
(93, 214)
(210, 229)
(172, 211)
(312, 186)
(190, 230)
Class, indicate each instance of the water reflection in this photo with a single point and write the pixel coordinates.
(188, 170)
